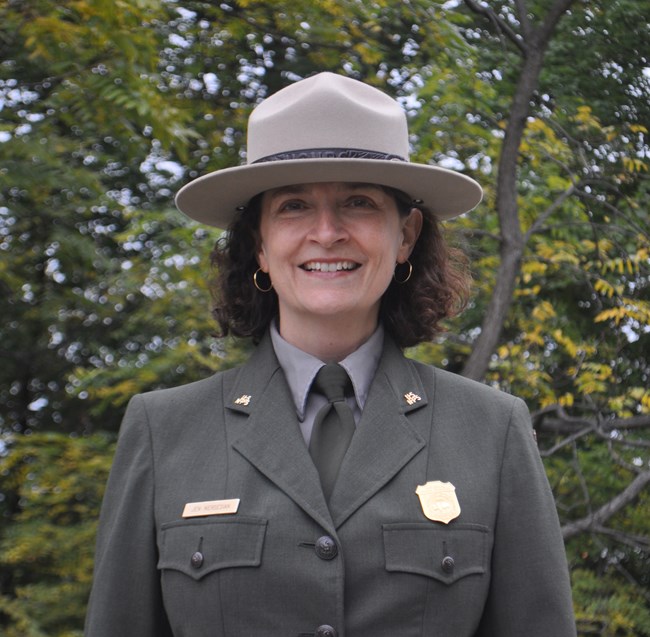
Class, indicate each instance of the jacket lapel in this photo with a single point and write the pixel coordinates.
(385, 441)
(271, 440)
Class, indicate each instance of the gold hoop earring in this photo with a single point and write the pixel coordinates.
(408, 276)
(256, 284)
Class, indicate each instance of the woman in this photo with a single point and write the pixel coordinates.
(414, 503)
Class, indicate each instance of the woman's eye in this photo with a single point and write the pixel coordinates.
(291, 206)
(360, 202)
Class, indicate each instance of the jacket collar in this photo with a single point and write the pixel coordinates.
(384, 442)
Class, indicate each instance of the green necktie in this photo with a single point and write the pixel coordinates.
(333, 425)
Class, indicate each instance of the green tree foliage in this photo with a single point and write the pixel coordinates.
(82, 113)
(108, 107)
(55, 485)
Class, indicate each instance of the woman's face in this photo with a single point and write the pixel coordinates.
(330, 250)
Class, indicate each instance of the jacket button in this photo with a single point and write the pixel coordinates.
(197, 560)
(326, 548)
(447, 564)
(325, 631)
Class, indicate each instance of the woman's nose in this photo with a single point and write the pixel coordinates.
(328, 226)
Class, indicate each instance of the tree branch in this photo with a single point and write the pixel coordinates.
(512, 238)
(548, 212)
(635, 541)
(523, 18)
(643, 231)
(500, 24)
(595, 520)
(557, 10)
(545, 453)
(564, 423)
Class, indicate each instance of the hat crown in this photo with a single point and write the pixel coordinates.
(326, 128)
(327, 111)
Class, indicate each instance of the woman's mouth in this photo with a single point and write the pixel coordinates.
(329, 266)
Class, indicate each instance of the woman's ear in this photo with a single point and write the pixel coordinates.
(411, 228)
(261, 258)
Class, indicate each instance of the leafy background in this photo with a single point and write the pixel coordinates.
(108, 107)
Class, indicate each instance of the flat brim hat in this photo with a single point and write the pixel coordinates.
(326, 128)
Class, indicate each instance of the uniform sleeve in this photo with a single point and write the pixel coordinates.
(126, 598)
(530, 592)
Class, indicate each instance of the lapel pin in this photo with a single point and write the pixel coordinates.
(439, 501)
(212, 507)
(243, 400)
(411, 398)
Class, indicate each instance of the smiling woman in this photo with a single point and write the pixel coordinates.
(330, 251)
(330, 486)
(438, 277)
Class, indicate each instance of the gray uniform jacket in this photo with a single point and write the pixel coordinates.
(370, 565)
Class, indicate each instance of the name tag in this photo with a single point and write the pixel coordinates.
(213, 507)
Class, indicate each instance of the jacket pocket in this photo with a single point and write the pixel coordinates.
(199, 547)
(444, 554)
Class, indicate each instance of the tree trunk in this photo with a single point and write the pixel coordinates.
(512, 246)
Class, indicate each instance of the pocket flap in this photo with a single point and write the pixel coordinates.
(198, 547)
(443, 553)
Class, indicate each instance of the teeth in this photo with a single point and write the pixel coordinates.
(329, 267)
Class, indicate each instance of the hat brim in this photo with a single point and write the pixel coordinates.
(213, 199)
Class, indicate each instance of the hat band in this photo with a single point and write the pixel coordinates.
(330, 153)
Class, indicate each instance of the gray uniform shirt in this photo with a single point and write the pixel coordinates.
(300, 369)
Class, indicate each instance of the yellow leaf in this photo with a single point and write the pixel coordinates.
(634, 164)
(534, 267)
(543, 311)
(534, 338)
(606, 288)
(566, 342)
(615, 313)
(555, 182)
(534, 291)
(566, 400)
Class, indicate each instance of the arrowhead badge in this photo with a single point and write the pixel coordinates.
(439, 501)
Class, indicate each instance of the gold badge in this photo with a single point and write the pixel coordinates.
(412, 398)
(213, 507)
(439, 501)
(243, 400)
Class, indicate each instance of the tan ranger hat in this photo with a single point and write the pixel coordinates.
(321, 129)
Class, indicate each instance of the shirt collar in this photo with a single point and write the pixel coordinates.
(300, 367)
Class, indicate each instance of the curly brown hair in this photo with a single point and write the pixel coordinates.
(411, 312)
